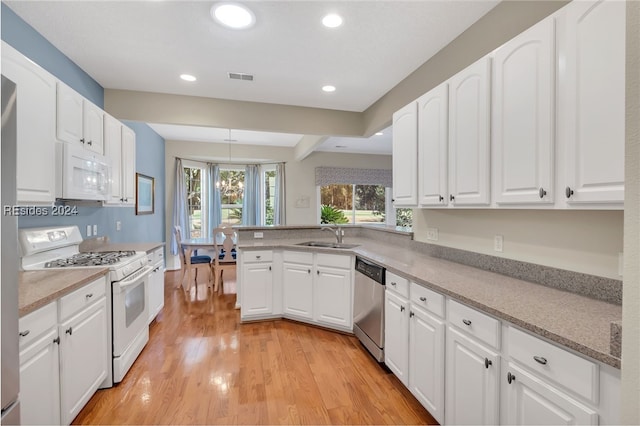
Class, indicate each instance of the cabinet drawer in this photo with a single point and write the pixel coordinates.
(475, 323)
(158, 255)
(257, 256)
(559, 365)
(334, 260)
(427, 299)
(305, 258)
(36, 323)
(82, 297)
(398, 284)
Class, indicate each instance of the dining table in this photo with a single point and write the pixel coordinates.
(191, 244)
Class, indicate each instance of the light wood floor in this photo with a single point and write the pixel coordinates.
(201, 366)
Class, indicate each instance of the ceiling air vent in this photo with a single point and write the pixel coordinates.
(240, 76)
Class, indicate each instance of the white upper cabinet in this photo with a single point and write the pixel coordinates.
(469, 108)
(78, 120)
(36, 134)
(523, 117)
(120, 147)
(591, 101)
(128, 165)
(405, 163)
(432, 147)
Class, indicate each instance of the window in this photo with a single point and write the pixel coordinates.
(231, 191)
(353, 203)
(195, 194)
(269, 194)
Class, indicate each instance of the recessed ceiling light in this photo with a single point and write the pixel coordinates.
(329, 88)
(187, 77)
(332, 20)
(379, 134)
(233, 15)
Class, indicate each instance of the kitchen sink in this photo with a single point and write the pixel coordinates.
(327, 244)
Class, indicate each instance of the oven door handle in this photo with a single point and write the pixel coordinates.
(135, 279)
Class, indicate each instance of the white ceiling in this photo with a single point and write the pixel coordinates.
(146, 45)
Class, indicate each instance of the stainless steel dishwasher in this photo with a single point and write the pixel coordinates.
(368, 306)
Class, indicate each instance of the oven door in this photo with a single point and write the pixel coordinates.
(130, 310)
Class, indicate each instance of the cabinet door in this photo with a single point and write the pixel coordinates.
(128, 165)
(40, 381)
(531, 401)
(469, 98)
(84, 356)
(405, 149)
(523, 116)
(156, 291)
(68, 115)
(257, 289)
(396, 335)
(36, 112)
(332, 297)
(93, 127)
(591, 121)
(472, 381)
(113, 150)
(426, 361)
(432, 147)
(297, 290)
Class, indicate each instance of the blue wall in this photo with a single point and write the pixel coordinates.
(149, 145)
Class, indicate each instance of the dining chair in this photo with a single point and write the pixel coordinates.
(196, 261)
(225, 253)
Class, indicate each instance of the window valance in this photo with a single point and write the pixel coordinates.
(346, 175)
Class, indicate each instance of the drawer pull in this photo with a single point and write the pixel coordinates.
(411, 314)
(393, 283)
(466, 322)
(269, 267)
(423, 299)
(487, 363)
(57, 340)
(69, 331)
(88, 296)
(24, 333)
(308, 271)
(540, 360)
(258, 257)
(510, 378)
(401, 308)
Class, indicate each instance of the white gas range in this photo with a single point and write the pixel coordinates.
(59, 248)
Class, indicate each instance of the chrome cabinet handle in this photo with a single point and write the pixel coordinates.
(487, 363)
(24, 333)
(466, 322)
(423, 299)
(542, 192)
(540, 359)
(510, 378)
(69, 331)
(568, 192)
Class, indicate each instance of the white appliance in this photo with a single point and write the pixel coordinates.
(81, 174)
(56, 248)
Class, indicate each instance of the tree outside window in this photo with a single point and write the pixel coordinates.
(231, 186)
(193, 178)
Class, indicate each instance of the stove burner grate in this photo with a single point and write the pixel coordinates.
(90, 259)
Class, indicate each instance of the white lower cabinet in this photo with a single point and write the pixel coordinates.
(471, 381)
(257, 285)
(532, 401)
(297, 285)
(332, 296)
(396, 335)
(39, 367)
(64, 355)
(156, 282)
(426, 360)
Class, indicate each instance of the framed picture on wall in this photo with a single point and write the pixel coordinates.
(144, 194)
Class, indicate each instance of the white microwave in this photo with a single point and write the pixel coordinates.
(81, 174)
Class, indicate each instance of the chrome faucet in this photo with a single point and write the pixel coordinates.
(336, 231)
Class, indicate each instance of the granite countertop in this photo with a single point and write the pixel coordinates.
(577, 322)
(38, 288)
(101, 244)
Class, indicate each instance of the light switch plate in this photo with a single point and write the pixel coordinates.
(118, 225)
(88, 230)
(258, 235)
(432, 234)
(498, 242)
(95, 229)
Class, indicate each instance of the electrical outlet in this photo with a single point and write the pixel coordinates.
(118, 225)
(88, 230)
(432, 234)
(95, 230)
(258, 235)
(498, 243)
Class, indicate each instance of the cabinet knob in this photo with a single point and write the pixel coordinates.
(540, 360)
(487, 363)
(258, 257)
(82, 140)
(542, 192)
(510, 378)
(89, 143)
(24, 333)
(451, 197)
(126, 200)
(308, 271)
(440, 198)
(568, 192)
(401, 308)
(122, 200)
(57, 340)
(318, 272)
(423, 299)
(393, 283)
(411, 314)
(69, 331)
(88, 296)
(269, 267)
(466, 322)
